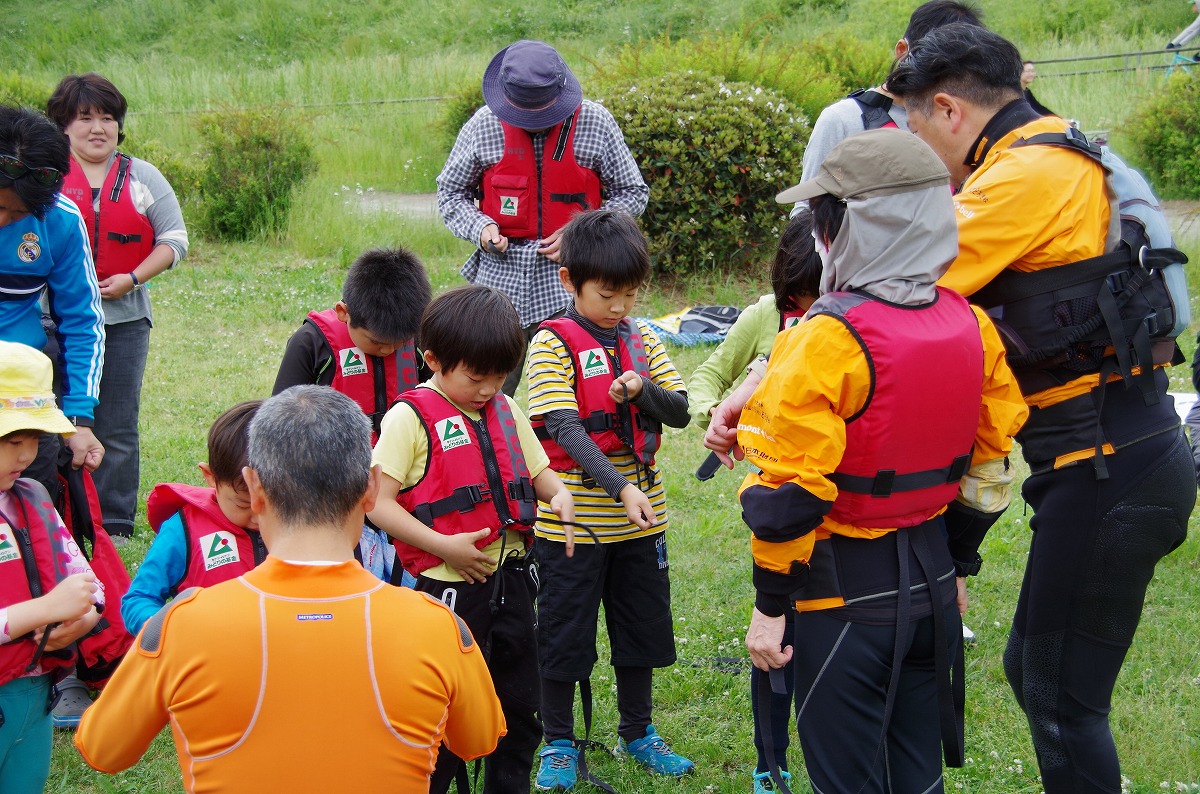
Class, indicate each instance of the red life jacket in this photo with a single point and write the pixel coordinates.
(791, 319)
(217, 549)
(532, 200)
(29, 568)
(121, 237)
(475, 475)
(911, 444)
(613, 427)
(355, 373)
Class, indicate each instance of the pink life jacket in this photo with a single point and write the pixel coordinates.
(29, 568)
(911, 444)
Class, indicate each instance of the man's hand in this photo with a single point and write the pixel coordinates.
(491, 234)
(963, 600)
(630, 381)
(637, 507)
(550, 246)
(721, 436)
(459, 552)
(562, 504)
(86, 449)
(764, 640)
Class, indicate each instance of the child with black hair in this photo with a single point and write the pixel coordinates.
(369, 331)
(462, 475)
(48, 592)
(371, 327)
(204, 535)
(796, 283)
(600, 388)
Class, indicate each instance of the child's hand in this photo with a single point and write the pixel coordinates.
(71, 598)
(68, 631)
(630, 380)
(563, 506)
(459, 553)
(637, 507)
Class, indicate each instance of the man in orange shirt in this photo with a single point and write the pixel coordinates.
(308, 673)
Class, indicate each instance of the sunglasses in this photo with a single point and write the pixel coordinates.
(13, 168)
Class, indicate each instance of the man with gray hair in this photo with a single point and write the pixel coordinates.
(308, 650)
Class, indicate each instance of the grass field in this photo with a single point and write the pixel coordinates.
(358, 77)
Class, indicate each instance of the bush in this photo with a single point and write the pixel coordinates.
(16, 89)
(800, 72)
(184, 170)
(458, 109)
(1166, 138)
(253, 162)
(714, 153)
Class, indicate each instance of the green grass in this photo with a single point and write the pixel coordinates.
(221, 321)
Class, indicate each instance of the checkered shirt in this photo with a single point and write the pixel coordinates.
(529, 279)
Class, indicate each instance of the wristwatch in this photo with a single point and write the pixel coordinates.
(81, 421)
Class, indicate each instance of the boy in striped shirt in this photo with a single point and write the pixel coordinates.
(601, 387)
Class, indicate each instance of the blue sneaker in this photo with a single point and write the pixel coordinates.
(652, 752)
(559, 766)
(764, 784)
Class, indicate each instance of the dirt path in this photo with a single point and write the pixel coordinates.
(1184, 216)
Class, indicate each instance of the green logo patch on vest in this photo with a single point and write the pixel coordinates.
(9, 550)
(594, 362)
(352, 361)
(508, 205)
(219, 548)
(452, 433)
(791, 322)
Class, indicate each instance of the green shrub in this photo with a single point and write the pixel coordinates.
(803, 79)
(460, 107)
(1166, 138)
(253, 162)
(17, 89)
(714, 153)
(184, 170)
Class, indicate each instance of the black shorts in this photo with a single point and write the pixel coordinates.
(631, 578)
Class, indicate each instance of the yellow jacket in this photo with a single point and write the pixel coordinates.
(793, 429)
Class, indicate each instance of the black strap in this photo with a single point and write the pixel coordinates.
(770, 683)
(381, 406)
(885, 482)
(560, 146)
(951, 686)
(260, 548)
(462, 500)
(123, 161)
(125, 238)
(586, 743)
(572, 198)
(874, 106)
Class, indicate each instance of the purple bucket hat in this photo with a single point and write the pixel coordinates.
(528, 85)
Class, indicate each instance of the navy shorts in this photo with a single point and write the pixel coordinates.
(631, 578)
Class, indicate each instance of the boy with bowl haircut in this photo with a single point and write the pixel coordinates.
(385, 292)
(48, 593)
(601, 387)
(364, 347)
(205, 535)
(462, 475)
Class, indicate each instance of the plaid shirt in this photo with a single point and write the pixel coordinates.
(529, 279)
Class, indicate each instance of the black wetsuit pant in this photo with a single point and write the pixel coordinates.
(500, 614)
(843, 671)
(1095, 544)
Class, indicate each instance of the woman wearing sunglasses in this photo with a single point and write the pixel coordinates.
(136, 231)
